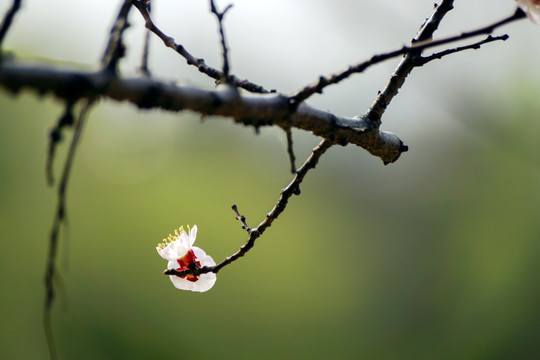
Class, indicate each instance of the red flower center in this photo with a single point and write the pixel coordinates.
(189, 261)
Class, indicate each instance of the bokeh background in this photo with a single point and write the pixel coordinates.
(433, 257)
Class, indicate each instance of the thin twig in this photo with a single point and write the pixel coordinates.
(113, 52)
(115, 49)
(414, 59)
(292, 189)
(191, 60)
(439, 55)
(408, 62)
(423, 42)
(8, 19)
(224, 49)
(144, 70)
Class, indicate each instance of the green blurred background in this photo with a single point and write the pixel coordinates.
(433, 257)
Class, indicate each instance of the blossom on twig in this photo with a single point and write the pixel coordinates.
(531, 8)
(179, 251)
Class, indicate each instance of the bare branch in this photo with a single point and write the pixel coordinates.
(191, 60)
(414, 59)
(408, 62)
(8, 19)
(254, 110)
(421, 42)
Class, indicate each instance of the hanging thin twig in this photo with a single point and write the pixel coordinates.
(113, 53)
(59, 219)
(55, 136)
(290, 149)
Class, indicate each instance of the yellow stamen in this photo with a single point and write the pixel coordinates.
(172, 238)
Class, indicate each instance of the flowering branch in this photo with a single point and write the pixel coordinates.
(412, 58)
(292, 189)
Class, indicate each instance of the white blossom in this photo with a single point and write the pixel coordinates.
(180, 253)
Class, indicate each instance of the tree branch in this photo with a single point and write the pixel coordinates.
(408, 63)
(191, 60)
(421, 42)
(254, 110)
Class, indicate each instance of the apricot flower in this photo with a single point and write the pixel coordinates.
(179, 251)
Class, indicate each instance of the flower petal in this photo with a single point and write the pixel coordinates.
(165, 252)
(206, 260)
(204, 282)
(181, 284)
(175, 249)
(192, 235)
